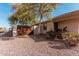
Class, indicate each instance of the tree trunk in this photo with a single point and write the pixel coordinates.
(41, 27)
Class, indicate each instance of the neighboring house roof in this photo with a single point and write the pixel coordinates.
(1, 30)
(67, 16)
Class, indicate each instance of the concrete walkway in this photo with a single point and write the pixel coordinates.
(28, 46)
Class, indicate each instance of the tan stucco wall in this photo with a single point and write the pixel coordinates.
(72, 25)
(39, 29)
(50, 26)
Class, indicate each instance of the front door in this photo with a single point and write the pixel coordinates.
(56, 26)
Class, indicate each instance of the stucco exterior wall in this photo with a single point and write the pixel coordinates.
(39, 28)
(72, 25)
(50, 26)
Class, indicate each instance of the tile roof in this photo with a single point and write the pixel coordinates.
(66, 16)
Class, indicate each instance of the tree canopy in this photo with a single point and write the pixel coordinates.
(29, 13)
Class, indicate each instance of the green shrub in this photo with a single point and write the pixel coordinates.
(70, 37)
(51, 34)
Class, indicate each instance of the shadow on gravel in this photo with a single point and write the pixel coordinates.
(57, 45)
(7, 38)
(7, 34)
(40, 38)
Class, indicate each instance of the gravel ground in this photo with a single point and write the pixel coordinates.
(29, 47)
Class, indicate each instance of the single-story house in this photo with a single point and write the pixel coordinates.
(69, 20)
(21, 30)
(43, 27)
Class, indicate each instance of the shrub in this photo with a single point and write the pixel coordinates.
(51, 34)
(70, 37)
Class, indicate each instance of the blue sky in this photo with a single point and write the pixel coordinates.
(65, 8)
(6, 10)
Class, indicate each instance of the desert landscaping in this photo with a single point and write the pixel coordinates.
(28, 46)
(39, 29)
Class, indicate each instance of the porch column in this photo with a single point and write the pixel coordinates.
(14, 30)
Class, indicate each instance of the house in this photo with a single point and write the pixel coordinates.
(21, 30)
(43, 27)
(69, 20)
